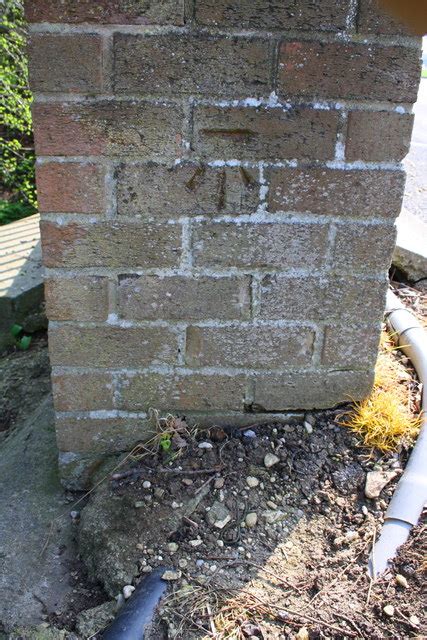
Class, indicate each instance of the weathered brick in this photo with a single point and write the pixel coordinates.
(278, 245)
(106, 11)
(61, 63)
(153, 190)
(106, 346)
(351, 345)
(178, 392)
(188, 64)
(373, 18)
(363, 248)
(338, 70)
(110, 244)
(317, 298)
(82, 391)
(78, 298)
(100, 435)
(249, 346)
(179, 298)
(378, 136)
(327, 15)
(360, 193)
(248, 133)
(134, 129)
(309, 390)
(70, 187)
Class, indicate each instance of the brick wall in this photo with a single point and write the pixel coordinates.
(218, 182)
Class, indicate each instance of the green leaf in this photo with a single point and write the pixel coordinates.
(165, 443)
(24, 342)
(15, 330)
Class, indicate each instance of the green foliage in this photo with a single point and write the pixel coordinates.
(16, 140)
(165, 441)
(11, 211)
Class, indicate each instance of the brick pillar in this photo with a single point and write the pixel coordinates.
(218, 182)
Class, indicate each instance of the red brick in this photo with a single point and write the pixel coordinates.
(187, 189)
(378, 136)
(351, 345)
(106, 346)
(338, 70)
(178, 64)
(134, 129)
(78, 298)
(249, 346)
(319, 297)
(82, 391)
(177, 392)
(65, 63)
(184, 298)
(328, 15)
(310, 390)
(106, 11)
(277, 245)
(110, 244)
(100, 435)
(70, 187)
(363, 248)
(373, 18)
(360, 193)
(248, 133)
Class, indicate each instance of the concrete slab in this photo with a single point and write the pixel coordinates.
(21, 281)
(410, 254)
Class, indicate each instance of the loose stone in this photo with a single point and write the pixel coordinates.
(376, 481)
(402, 581)
(252, 482)
(205, 445)
(251, 520)
(128, 591)
(146, 484)
(270, 459)
(173, 547)
(171, 575)
(389, 610)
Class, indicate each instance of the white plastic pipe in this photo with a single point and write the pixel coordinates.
(410, 495)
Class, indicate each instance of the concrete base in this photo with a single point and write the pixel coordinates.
(410, 254)
(21, 283)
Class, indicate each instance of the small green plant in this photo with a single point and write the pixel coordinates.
(165, 442)
(22, 340)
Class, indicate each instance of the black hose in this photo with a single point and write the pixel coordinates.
(138, 611)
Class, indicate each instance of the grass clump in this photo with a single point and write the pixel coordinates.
(386, 419)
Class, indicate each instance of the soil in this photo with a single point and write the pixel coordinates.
(304, 563)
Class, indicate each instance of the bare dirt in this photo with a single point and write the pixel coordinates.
(302, 565)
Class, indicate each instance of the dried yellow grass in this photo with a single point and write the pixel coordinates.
(385, 420)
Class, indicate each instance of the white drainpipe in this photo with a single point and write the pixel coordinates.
(410, 495)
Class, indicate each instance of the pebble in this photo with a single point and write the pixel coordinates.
(271, 504)
(146, 484)
(308, 427)
(171, 575)
(219, 483)
(195, 543)
(249, 433)
(389, 610)
(175, 505)
(147, 569)
(74, 515)
(270, 459)
(187, 481)
(138, 504)
(173, 547)
(365, 510)
(402, 581)
(252, 482)
(200, 562)
(220, 543)
(183, 563)
(271, 517)
(205, 445)
(251, 520)
(414, 620)
(159, 492)
(128, 591)
(213, 568)
(376, 481)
